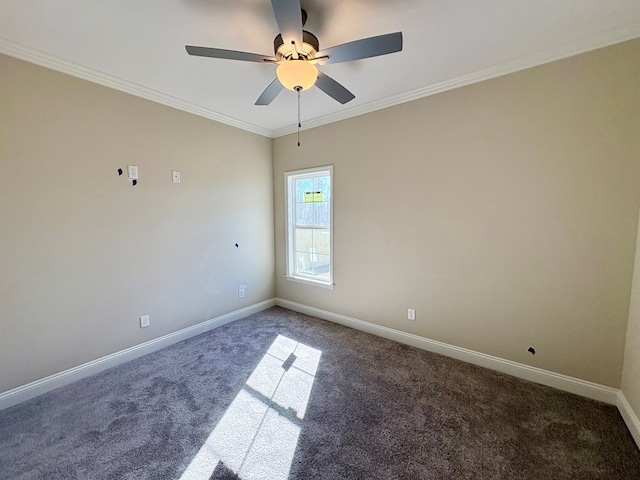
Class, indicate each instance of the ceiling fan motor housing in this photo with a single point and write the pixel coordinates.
(308, 51)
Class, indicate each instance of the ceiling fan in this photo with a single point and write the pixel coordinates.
(297, 52)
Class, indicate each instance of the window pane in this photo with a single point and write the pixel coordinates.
(322, 241)
(322, 213)
(305, 214)
(321, 265)
(313, 251)
(313, 264)
(323, 184)
(303, 263)
(303, 185)
(304, 240)
(318, 213)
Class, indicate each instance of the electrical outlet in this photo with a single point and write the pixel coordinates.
(241, 291)
(411, 314)
(144, 321)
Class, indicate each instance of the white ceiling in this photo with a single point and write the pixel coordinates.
(137, 46)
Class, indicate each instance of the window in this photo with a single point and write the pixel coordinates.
(309, 232)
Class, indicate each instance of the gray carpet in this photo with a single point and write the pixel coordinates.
(284, 395)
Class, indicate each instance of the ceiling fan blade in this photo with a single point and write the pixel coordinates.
(270, 93)
(288, 14)
(332, 88)
(227, 54)
(364, 48)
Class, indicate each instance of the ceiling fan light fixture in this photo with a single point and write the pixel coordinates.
(294, 74)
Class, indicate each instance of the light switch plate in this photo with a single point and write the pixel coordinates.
(132, 170)
(175, 175)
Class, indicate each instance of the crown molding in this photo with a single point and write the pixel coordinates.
(38, 57)
(611, 37)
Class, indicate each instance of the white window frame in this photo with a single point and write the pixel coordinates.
(290, 201)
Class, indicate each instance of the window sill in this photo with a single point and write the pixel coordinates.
(307, 281)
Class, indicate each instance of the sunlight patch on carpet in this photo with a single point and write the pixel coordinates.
(257, 436)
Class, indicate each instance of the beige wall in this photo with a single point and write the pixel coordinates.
(631, 370)
(84, 253)
(504, 212)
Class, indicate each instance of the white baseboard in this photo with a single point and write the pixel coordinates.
(538, 375)
(630, 417)
(561, 382)
(44, 385)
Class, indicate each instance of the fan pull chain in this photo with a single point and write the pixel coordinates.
(299, 124)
